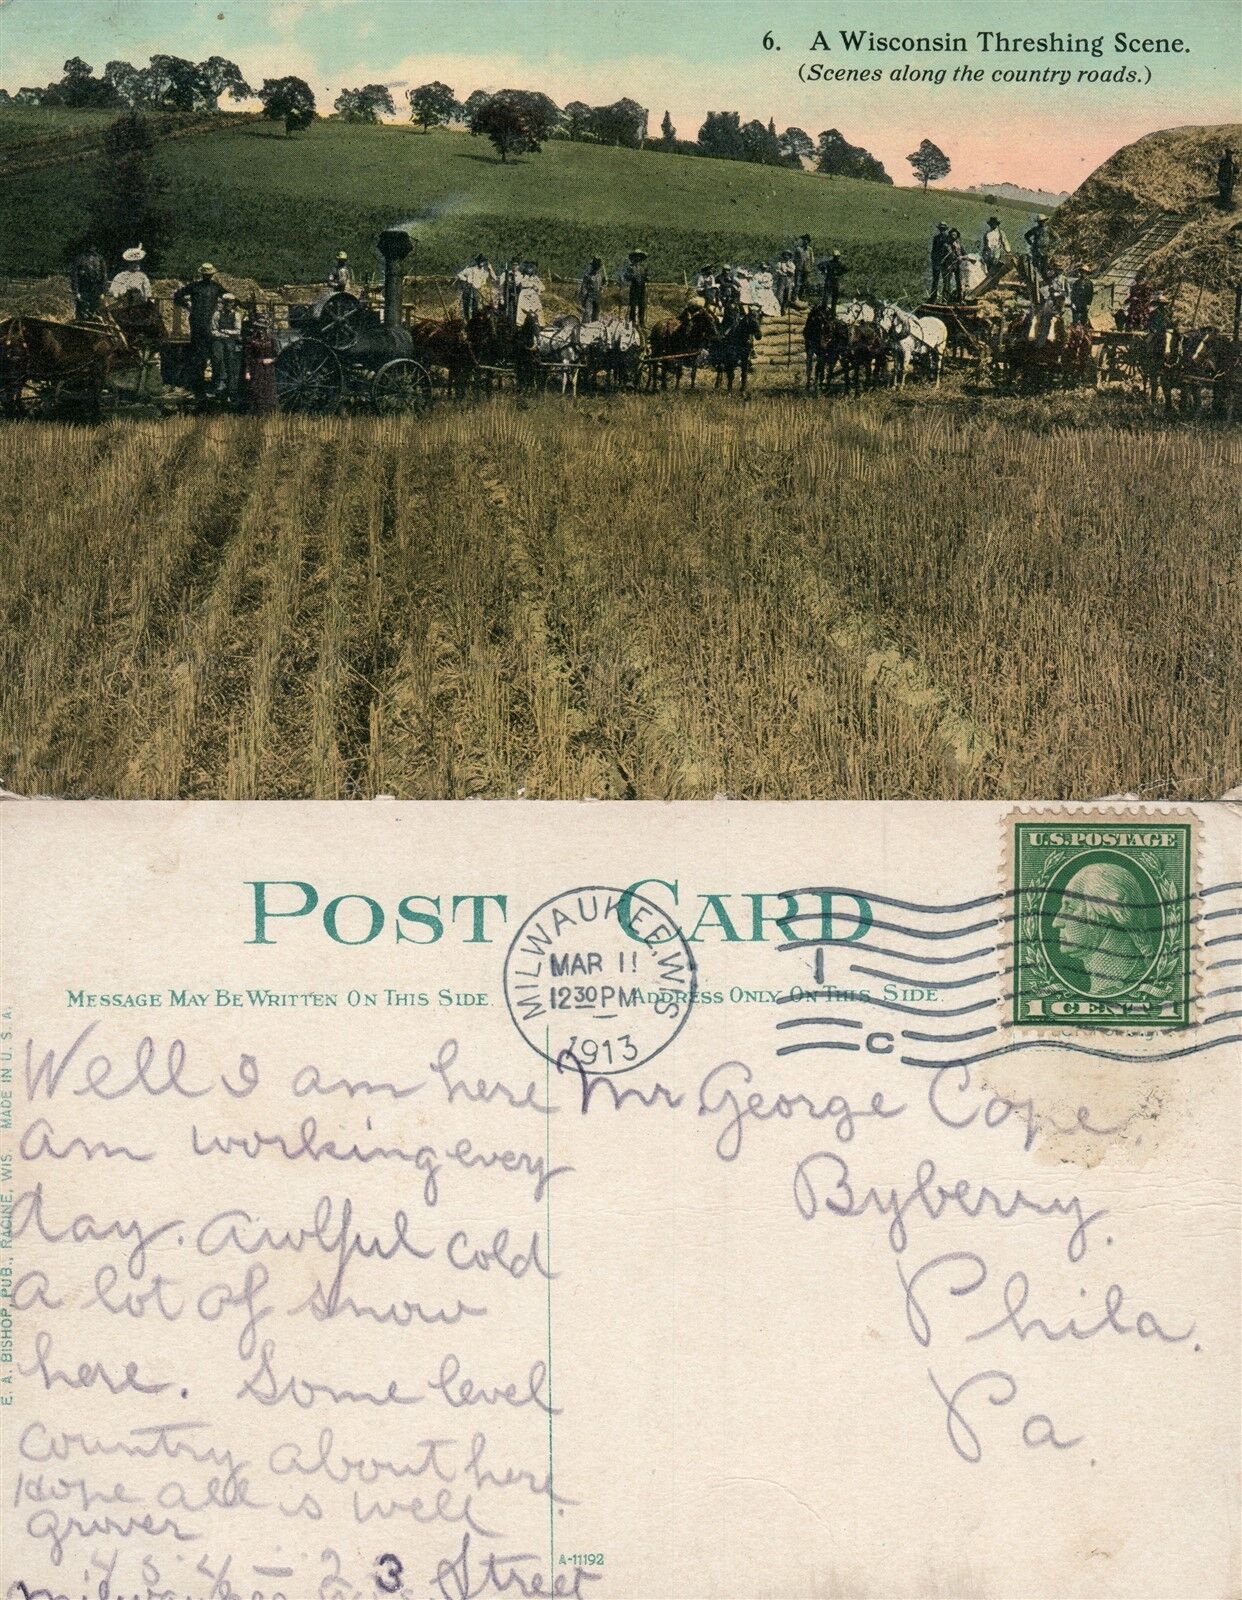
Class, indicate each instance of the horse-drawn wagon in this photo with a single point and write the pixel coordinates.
(95, 369)
(1119, 356)
(340, 351)
(969, 332)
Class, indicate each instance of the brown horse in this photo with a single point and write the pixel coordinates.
(1161, 363)
(679, 343)
(865, 356)
(444, 344)
(495, 343)
(1065, 356)
(39, 354)
(1210, 366)
(826, 341)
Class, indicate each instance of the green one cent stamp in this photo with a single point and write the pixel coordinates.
(1102, 922)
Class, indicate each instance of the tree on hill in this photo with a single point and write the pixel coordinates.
(836, 157)
(80, 88)
(125, 80)
(289, 100)
(365, 104)
(128, 194)
(432, 105)
(513, 122)
(224, 77)
(760, 144)
(668, 133)
(472, 102)
(797, 146)
(929, 162)
(172, 83)
(622, 123)
(721, 136)
(577, 121)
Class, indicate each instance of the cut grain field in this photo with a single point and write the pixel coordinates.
(648, 598)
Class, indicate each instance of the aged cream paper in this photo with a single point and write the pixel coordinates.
(640, 1203)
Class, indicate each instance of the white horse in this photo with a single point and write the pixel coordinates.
(909, 337)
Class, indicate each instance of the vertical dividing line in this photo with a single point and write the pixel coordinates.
(547, 1167)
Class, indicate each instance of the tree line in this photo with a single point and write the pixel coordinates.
(516, 121)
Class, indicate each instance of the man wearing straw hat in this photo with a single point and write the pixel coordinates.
(131, 283)
(340, 274)
(201, 296)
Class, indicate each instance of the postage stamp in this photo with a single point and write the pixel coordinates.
(1102, 919)
(599, 980)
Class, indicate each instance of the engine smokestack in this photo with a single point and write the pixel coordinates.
(394, 244)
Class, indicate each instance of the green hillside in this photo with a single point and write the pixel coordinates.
(274, 209)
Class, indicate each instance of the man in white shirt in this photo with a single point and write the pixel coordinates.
(472, 283)
(131, 282)
(993, 246)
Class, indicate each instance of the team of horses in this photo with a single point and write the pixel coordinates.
(1201, 367)
(863, 339)
(860, 344)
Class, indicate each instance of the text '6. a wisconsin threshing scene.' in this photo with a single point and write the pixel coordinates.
(693, 405)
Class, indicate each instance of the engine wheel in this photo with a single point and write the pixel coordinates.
(309, 378)
(340, 321)
(400, 386)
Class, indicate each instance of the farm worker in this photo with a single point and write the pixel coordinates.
(831, 270)
(804, 265)
(260, 364)
(87, 276)
(1138, 305)
(993, 245)
(340, 275)
(226, 348)
(705, 285)
(729, 287)
(510, 287)
(939, 256)
(1226, 177)
(1036, 237)
(783, 277)
(591, 288)
(1081, 294)
(634, 274)
(201, 295)
(131, 283)
(1047, 325)
(1161, 318)
(530, 296)
(954, 258)
(471, 282)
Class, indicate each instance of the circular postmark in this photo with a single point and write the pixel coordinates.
(599, 980)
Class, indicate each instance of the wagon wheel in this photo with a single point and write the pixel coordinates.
(340, 321)
(401, 385)
(309, 378)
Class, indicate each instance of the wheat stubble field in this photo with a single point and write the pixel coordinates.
(650, 597)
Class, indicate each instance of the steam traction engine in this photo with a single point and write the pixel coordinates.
(342, 351)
